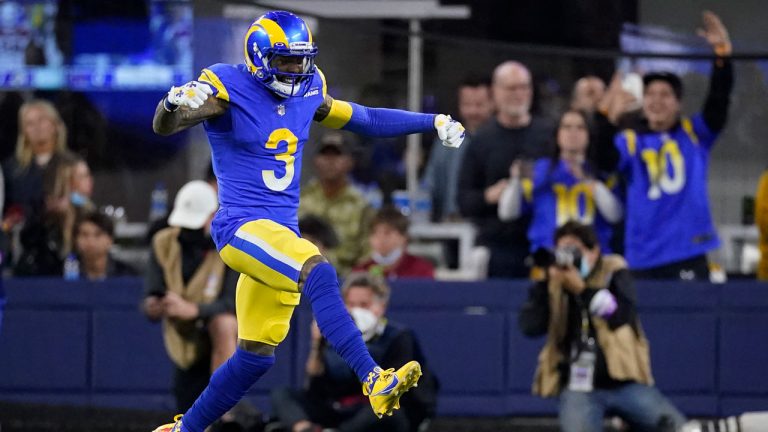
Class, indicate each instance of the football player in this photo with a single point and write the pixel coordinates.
(257, 116)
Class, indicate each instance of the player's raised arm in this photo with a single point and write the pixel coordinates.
(385, 122)
(186, 106)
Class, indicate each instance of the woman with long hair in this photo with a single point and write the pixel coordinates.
(40, 145)
(37, 180)
(68, 199)
(562, 188)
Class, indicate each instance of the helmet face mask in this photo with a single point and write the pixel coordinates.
(280, 53)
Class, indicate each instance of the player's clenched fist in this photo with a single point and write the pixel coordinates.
(450, 131)
(192, 94)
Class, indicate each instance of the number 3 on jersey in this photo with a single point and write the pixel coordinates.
(660, 177)
(275, 138)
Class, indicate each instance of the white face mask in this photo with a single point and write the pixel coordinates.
(365, 321)
(387, 260)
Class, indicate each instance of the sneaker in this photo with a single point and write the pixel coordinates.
(384, 387)
(171, 427)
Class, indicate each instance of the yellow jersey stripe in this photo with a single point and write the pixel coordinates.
(207, 76)
(527, 185)
(688, 128)
(322, 78)
(631, 138)
(339, 116)
(274, 31)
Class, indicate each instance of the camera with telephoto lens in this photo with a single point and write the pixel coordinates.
(561, 257)
(568, 256)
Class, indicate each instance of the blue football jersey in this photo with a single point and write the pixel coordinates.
(668, 217)
(257, 148)
(559, 197)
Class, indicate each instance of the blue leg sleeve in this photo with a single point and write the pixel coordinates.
(228, 385)
(322, 289)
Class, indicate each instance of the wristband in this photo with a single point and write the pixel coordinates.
(723, 49)
(169, 106)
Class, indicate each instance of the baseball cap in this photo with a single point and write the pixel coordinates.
(194, 204)
(668, 77)
(333, 141)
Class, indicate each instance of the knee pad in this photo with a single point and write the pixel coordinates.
(264, 313)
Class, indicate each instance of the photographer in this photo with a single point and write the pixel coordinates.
(596, 357)
(188, 286)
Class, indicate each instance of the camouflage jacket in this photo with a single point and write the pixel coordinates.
(348, 213)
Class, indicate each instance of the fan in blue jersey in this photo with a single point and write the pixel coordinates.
(257, 123)
(563, 188)
(664, 160)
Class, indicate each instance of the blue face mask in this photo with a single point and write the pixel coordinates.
(78, 199)
(584, 268)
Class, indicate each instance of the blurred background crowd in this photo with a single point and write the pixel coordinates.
(75, 141)
(557, 97)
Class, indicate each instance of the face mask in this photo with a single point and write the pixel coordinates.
(78, 199)
(365, 321)
(387, 260)
(584, 268)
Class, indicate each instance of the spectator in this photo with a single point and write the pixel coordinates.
(331, 196)
(664, 160)
(69, 199)
(94, 236)
(319, 232)
(564, 188)
(30, 177)
(389, 244)
(609, 110)
(332, 397)
(81, 186)
(40, 146)
(596, 357)
(46, 238)
(587, 94)
(190, 288)
(514, 134)
(441, 174)
(761, 220)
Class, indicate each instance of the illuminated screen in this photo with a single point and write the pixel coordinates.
(91, 45)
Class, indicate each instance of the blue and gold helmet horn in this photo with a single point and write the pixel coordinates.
(278, 34)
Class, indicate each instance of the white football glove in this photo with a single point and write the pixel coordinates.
(192, 94)
(450, 131)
